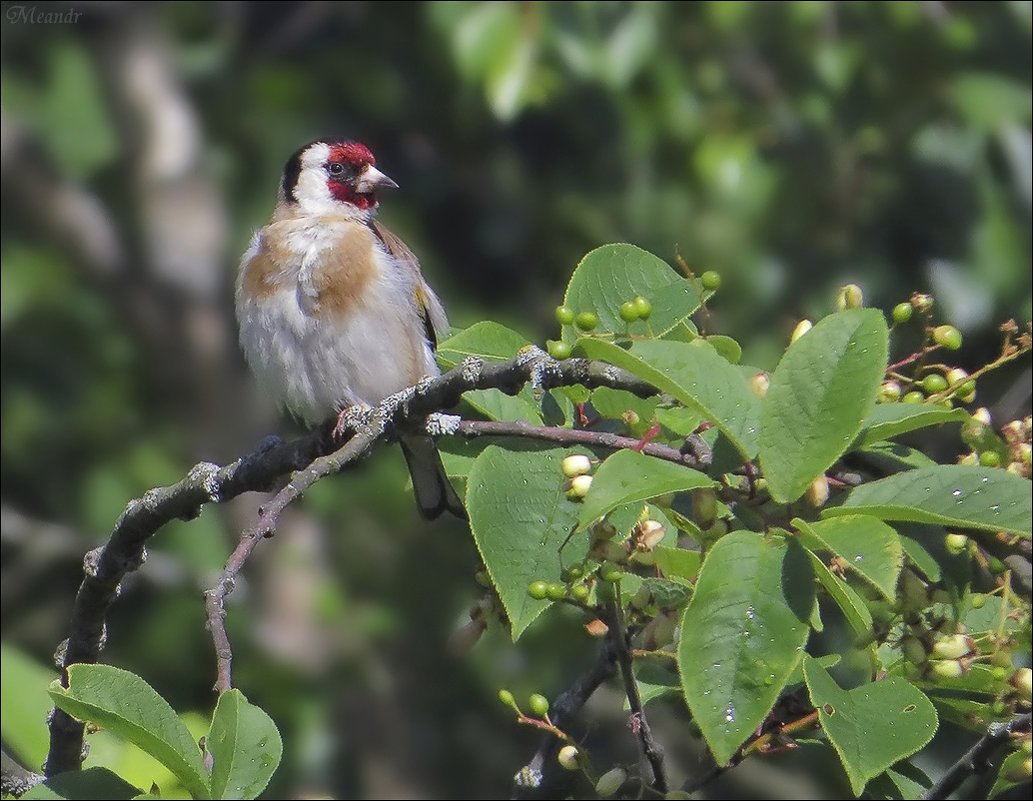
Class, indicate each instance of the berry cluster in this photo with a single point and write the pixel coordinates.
(941, 650)
(637, 309)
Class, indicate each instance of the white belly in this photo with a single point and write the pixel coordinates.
(315, 364)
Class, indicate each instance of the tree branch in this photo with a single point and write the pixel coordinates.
(977, 758)
(14, 779)
(653, 752)
(107, 566)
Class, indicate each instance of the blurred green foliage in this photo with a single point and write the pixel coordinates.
(792, 146)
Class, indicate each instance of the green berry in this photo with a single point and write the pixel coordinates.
(506, 697)
(711, 280)
(643, 307)
(580, 593)
(902, 312)
(947, 336)
(539, 704)
(956, 544)
(914, 396)
(586, 321)
(558, 350)
(538, 590)
(609, 571)
(629, 313)
(704, 507)
(572, 573)
(933, 383)
(564, 315)
(990, 459)
(555, 591)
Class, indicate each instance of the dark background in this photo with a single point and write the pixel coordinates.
(793, 147)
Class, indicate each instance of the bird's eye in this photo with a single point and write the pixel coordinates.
(336, 168)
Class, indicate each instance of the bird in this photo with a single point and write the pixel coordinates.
(333, 310)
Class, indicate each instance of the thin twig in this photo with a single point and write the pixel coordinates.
(652, 750)
(977, 758)
(266, 527)
(576, 436)
(563, 709)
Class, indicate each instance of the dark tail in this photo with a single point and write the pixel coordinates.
(433, 490)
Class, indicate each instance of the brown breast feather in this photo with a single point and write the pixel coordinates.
(338, 284)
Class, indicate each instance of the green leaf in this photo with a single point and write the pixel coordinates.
(484, 340)
(890, 457)
(245, 746)
(630, 476)
(867, 545)
(84, 784)
(979, 679)
(125, 704)
(743, 633)
(613, 274)
(491, 342)
(967, 713)
(854, 609)
(920, 557)
(950, 495)
(726, 346)
(520, 518)
(25, 704)
(1011, 766)
(820, 394)
(612, 403)
(695, 375)
(678, 419)
(872, 726)
(497, 405)
(667, 594)
(888, 420)
(902, 781)
(678, 562)
(655, 680)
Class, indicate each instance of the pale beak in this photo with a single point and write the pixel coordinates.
(371, 179)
